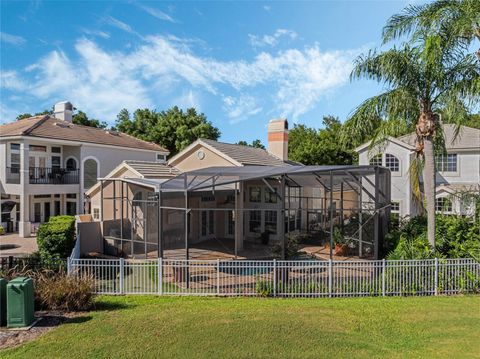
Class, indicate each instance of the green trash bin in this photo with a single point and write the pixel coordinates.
(20, 302)
(3, 302)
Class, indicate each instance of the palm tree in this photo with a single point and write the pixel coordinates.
(420, 80)
(459, 20)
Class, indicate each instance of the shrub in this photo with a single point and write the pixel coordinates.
(417, 248)
(263, 288)
(58, 290)
(55, 238)
(291, 246)
(2, 230)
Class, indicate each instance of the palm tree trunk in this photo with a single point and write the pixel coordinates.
(426, 126)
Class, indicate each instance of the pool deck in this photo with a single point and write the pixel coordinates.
(12, 244)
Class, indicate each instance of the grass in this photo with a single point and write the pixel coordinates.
(153, 327)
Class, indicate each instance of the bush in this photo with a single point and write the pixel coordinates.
(456, 237)
(57, 290)
(55, 238)
(291, 246)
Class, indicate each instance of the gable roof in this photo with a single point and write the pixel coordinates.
(238, 154)
(54, 128)
(468, 137)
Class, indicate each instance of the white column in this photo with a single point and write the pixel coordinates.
(239, 219)
(24, 225)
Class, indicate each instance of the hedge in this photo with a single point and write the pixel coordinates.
(56, 237)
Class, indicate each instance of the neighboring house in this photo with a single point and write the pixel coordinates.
(47, 164)
(457, 171)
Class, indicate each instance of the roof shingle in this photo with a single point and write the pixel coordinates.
(54, 128)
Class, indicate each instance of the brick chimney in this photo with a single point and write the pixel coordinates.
(278, 138)
(63, 111)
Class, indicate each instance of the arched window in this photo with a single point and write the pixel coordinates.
(90, 173)
(376, 160)
(392, 163)
(71, 164)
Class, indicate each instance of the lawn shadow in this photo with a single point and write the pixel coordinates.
(106, 306)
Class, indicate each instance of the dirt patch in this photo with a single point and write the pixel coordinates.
(48, 321)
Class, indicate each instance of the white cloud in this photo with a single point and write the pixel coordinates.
(239, 109)
(12, 39)
(9, 80)
(98, 33)
(102, 82)
(120, 25)
(271, 40)
(157, 13)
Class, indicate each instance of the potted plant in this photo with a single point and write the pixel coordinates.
(2, 230)
(340, 242)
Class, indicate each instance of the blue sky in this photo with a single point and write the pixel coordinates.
(241, 63)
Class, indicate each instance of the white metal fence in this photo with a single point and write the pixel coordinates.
(281, 278)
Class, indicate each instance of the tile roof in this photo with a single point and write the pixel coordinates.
(467, 138)
(54, 128)
(247, 155)
(153, 169)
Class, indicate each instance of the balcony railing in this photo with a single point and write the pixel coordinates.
(13, 175)
(53, 175)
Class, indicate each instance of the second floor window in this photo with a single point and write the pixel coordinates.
(90, 173)
(447, 163)
(255, 194)
(392, 163)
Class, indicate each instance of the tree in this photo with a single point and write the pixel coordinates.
(81, 118)
(28, 115)
(173, 129)
(255, 144)
(421, 79)
(457, 21)
(319, 147)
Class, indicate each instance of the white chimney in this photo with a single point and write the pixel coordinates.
(278, 138)
(63, 111)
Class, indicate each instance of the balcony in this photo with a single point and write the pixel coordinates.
(53, 175)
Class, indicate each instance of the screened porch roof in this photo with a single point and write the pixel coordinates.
(225, 177)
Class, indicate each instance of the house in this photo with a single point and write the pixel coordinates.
(232, 198)
(47, 164)
(458, 170)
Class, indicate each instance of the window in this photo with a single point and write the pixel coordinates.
(57, 208)
(255, 223)
(71, 208)
(443, 205)
(90, 173)
(231, 198)
(392, 163)
(376, 160)
(56, 150)
(96, 213)
(160, 157)
(207, 198)
(271, 222)
(15, 146)
(255, 194)
(447, 163)
(270, 197)
(71, 164)
(56, 161)
(72, 195)
(15, 162)
(38, 148)
(395, 207)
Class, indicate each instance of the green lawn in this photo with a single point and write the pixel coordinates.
(147, 326)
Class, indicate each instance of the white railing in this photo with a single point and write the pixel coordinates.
(281, 278)
(75, 253)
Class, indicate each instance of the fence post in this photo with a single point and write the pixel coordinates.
(330, 277)
(383, 276)
(218, 276)
(69, 266)
(160, 275)
(274, 277)
(436, 277)
(122, 274)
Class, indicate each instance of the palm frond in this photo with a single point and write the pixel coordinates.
(414, 173)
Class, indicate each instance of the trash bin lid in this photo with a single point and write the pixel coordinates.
(20, 280)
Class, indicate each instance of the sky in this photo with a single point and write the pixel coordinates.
(240, 63)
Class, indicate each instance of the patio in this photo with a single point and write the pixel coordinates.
(12, 244)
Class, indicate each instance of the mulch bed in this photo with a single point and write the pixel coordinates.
(48, 321)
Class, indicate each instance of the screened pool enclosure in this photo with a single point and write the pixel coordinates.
(247, 212)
